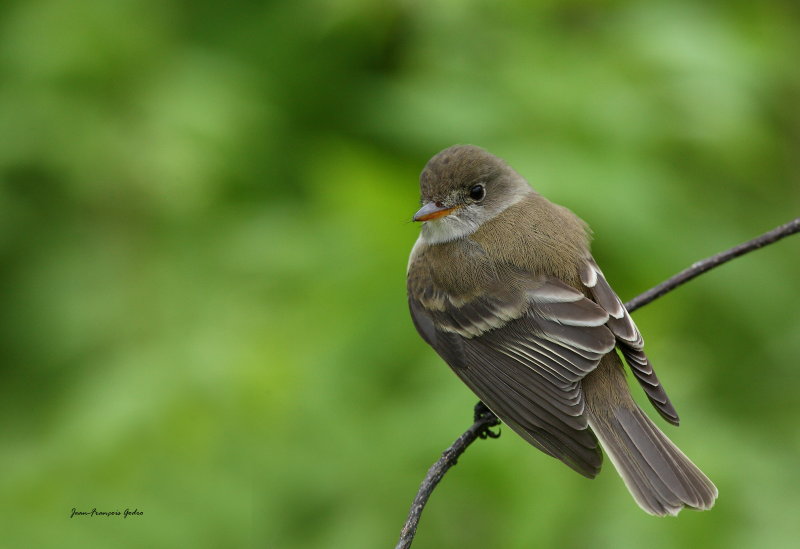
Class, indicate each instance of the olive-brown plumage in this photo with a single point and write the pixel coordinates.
(501, 283)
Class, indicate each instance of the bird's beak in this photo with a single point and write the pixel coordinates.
(432, 211)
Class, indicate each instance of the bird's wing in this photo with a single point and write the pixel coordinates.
(523, 351)
(629, 340)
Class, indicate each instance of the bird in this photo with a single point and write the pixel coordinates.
(502, 284)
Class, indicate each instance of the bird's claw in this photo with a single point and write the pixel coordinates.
(485, 415)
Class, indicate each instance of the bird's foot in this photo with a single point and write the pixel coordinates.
(489, 420)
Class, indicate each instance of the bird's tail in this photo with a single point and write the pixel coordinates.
(660, 477)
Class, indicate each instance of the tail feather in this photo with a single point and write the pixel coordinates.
(660, 477)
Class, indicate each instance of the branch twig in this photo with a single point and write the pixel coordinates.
(709, 263)
(485, 419)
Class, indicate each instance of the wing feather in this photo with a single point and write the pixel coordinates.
(629, 340)
(524, 353)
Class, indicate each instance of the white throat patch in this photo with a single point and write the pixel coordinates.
(463, 222)
(445, 229)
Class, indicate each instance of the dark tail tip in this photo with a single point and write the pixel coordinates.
(660, 477)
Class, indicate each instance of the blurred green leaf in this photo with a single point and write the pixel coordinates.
(204, 229)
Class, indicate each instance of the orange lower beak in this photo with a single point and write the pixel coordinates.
(432, 211)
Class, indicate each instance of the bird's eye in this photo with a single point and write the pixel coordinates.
(477, 192)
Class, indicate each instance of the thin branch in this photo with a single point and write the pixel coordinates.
(714, 261)
(485, 419)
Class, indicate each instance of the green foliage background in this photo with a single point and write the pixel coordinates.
(204, 232)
